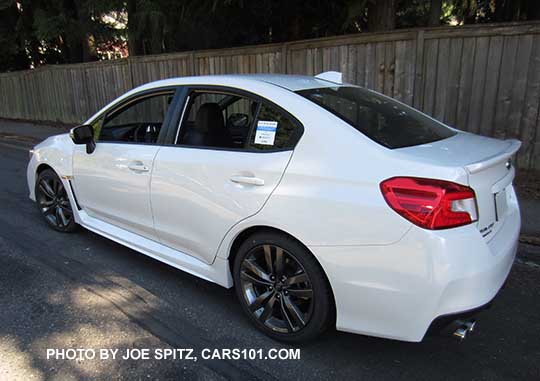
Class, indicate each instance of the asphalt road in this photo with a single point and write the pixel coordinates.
(83, 291)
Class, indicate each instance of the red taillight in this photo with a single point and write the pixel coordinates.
(431, 204)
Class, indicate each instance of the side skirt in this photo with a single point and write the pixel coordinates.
(217, 272)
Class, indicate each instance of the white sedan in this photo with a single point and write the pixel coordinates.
(322, 203)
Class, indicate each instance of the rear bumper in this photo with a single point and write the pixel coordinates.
(396, 291)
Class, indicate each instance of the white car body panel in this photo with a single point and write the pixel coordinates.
(389, 277)
(109, 187)
(195, 202)
(56, 152)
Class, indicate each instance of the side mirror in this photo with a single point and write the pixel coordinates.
(84, 135)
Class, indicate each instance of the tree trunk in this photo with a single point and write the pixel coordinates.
(381, 15)
(435, 11)
(134, 43)
(533, 10)
(507, 10)
(28, 34)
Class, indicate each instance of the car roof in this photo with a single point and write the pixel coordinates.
(286, 81)
(291, 82)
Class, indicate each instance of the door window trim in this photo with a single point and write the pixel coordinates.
(189, 89)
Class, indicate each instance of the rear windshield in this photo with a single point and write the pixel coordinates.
(382, 119)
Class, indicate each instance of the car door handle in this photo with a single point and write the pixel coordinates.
(247, 180)
(138, 166)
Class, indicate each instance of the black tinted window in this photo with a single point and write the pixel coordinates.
(382, 119)
(138, 121)
(217, 120)
(274, 130)
(227, 120)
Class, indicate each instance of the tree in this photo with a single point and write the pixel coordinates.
(36, 32)
(381, 15)
(12, 46)
(435, 11)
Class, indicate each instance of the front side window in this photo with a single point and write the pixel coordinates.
(381, 119)
(138, 121)
(228, 120)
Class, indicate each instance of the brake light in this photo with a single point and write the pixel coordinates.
(431, 204)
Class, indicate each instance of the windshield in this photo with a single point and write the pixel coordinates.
(380, 118)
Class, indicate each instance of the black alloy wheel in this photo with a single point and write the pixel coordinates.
(53, 202)
(282, 287)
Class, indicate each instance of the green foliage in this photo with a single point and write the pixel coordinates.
(36, 32)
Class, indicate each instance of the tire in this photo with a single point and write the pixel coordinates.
(291, 302)
(53, 202)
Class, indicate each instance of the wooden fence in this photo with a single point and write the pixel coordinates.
(484, 79)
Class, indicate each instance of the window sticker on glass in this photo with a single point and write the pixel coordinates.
(266, 132)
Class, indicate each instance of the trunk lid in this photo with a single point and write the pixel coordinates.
(488, 167)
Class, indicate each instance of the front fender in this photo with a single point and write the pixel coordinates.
(55, 152)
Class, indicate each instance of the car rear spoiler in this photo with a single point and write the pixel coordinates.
(513, 147)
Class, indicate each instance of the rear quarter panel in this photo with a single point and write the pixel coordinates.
(329, 194)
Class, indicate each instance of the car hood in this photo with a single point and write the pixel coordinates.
(53, 139)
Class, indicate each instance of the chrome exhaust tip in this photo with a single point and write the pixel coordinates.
(470, 325)
(460, 333)
(464, 328)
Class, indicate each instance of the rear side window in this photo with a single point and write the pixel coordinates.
(381, 119)
(274, 130)
(227, 120)
(219, 120)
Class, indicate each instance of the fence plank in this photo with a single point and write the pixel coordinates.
(389, 68)
(430, 74)
(490, 90)
(361, 67)
(441, 80)
(465, 82)
(479, 73)
(531, 106)
(452, 84)
(504, 91)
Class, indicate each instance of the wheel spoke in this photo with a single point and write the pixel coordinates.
(260, 301)
(279, 261)
(46, 189)
(256, 269)
(304, 293)
(47, 203)
(268, 308)
(295, 313)
(58, 219)
(65, 209)
(253, 279)
(48, 209)
(286, 316)
(268, 258)
(298, 278)
(57, 186)
(62, 216)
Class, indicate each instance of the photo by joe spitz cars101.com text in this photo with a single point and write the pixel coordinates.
(320, 202)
